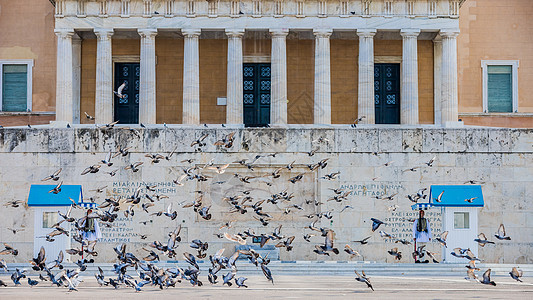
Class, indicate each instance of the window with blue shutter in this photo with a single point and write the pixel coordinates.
(14, 87)
(500, 88)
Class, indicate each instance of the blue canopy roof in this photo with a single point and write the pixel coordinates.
(456, 195)
(40, 196)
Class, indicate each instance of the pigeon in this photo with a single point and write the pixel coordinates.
(89, 116)
(516, 274)
(376, 223)
(350, 251)
(363, 279)
(482, 240)
(397, 254)
(439, 197)
(501, 233)
(9, 250)
(32, 282)
(240, 282)
(442, 238)
(119, 90)
(56, 189)
(486, 278)
(470, 200)
(54, 176)
(363, 241)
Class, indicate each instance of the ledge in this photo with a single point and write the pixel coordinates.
(27, 113)
(498, 115)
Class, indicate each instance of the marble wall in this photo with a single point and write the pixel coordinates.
(502, 159)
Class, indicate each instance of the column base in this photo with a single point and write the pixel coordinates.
(458, 124)
(59, 124)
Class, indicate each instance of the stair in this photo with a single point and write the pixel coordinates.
(329, 268)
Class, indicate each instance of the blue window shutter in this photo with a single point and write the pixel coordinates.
(14, 88)
(500, 89)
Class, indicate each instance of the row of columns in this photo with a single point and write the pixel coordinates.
(66, 77)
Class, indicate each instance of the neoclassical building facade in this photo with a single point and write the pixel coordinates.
(408, 62)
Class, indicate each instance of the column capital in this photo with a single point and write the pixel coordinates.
(64, 32)
(235, 33)
(104, 33)
(147, 32)
(322, 32)
(410, 33)
(366, 32)
(191, 32)
(449, 33)
(281, 32)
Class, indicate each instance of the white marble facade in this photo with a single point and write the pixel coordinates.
(423, 19)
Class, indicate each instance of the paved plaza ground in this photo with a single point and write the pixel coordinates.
(294, 287)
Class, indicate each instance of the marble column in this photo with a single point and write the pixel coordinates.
(64, 84)
(191, 77)
(449, 95)
(365, 91)
(409, 88)
(147, 90)
(437, 79)
(234, 107)
(278, 99)
(103, 103)
(322, 105)
(76, 78)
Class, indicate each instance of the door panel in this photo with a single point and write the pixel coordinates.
(458, 236)
(256, 94)
(387, 93)
(127, 108)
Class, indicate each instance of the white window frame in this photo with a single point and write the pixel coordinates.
(515, 64)
(29, 86)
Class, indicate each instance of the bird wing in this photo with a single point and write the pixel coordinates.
(121, 88)
(329, 239)
(41, 256)
(482, 236)
(203, 137)
(470, 273)
(60, 256)
(486, 276)
(501, 230)
(444, 235)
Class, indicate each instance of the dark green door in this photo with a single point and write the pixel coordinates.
(127, 108)
(256, 96)
(387, 93)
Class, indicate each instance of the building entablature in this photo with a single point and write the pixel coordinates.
(302, 9)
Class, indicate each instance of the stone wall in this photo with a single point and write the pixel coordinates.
(500, 158)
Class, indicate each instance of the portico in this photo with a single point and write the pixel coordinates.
(151, 20)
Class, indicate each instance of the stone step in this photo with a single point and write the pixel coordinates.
(325, 268)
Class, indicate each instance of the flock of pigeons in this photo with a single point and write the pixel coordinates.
(223, 269)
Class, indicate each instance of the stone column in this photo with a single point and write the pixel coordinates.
(449, 95)
(409, 88)
(234, 107)
(103, 103)
(437, 81)
(278, 99)
(322, 106)
(64, 85)
(76, 78)
(365, 91)
(191, 77)
(147, 104)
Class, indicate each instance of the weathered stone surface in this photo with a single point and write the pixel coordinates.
(500, 160)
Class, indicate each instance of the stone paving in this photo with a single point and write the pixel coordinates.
(294, 287)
